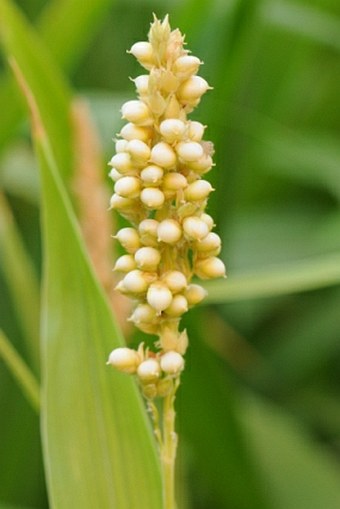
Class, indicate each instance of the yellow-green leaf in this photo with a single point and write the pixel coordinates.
(43, 77)
(98, 445)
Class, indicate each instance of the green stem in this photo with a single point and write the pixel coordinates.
(169, 447)
(155, 420)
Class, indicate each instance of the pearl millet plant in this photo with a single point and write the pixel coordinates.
(157, 170)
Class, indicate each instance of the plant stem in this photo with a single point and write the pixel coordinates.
(169, 447)
(155, 420)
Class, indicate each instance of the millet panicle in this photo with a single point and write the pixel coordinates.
(158, 187)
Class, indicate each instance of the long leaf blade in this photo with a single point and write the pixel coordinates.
(96, 436)
(99, 449)
(51, 91)
(318, 272)
(22, 282)
(20, 371)
(79, 21)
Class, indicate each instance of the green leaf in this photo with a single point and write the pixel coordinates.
(299, 276)
(299, 473)
(43, 77)
(19, 274)
(16, 182)
(318, 26)
(80, 21)
(98, 445)
(20, 371)
(113, 452)
(11, 107)
(4, 505)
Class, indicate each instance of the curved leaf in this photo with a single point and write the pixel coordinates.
(99, 450)
(80, 20)
(318, 25)
(98, 445)
(43, 77)
(300, 276)
(22, 281)
(20, 371)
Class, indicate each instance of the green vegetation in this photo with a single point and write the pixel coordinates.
(258, 408)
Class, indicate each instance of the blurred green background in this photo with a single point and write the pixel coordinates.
(259, 407)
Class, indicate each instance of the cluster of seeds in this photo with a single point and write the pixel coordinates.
(157, 169)
(155, 372)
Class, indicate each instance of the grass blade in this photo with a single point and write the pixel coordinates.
(301, 276)
(99, 449)
(20, 371)
(42, 76)
(80, 21)
(4, 505)
(317, 25)
(21, 280)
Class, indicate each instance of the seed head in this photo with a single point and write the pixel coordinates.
(195, 131)
(178, 306)
(174, 181)
(137, 112)
(135, 282)
(161, 156)
(142, 84)
(211, 242)
(186, 66)
(175, 280)
(124, 359)
(134, 132)
(192, 89)
(210, 268)
(152, 198)
(149, 370)
(121, 145)
(129, 239)
(122, 162)
(139, 151)
(128, 187)
(189, 151)
(172, 129)
(152, 175)
(147, 258)
(144, 313)
(159, 296)
(195, 294)
(172, 363)
(125, 263)
(198, 190)
(120, 203)
(148, 232)
(143, 51)
(169, 231)
(195, 228)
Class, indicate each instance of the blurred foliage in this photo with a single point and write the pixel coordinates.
(258, 411)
